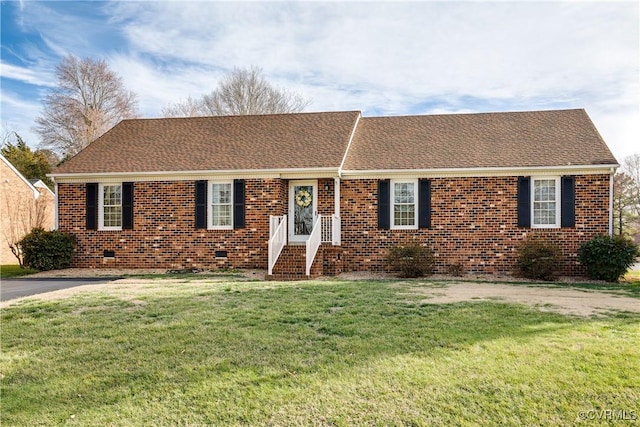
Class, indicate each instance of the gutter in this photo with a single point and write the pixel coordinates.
(480, 171)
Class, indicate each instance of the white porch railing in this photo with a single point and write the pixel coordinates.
(313, 243)
(326, 229)
(330, 225)
(277, 238)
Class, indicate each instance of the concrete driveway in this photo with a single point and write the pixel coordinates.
(15, 288)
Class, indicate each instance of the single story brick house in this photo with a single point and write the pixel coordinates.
(321, 193)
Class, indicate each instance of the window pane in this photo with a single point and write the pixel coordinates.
(221, 193)
(404, 215)
(221, 215)
(112, 205)
(403, 192)
(404, 204)
(544, 202)
(221, 207)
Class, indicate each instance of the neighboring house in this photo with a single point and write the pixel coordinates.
(331, 192)
(24, 204)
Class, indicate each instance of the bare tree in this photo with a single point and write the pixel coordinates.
(242, 92)
(89, 100)
(626, 198)
(631, 167)
(188, 108)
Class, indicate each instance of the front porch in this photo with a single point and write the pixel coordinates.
(319, 254)
(307, 234)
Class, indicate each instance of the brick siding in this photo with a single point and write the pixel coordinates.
(473, 223)
(164, 233)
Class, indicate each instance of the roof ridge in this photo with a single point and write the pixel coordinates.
(242, 115)
(477, 113)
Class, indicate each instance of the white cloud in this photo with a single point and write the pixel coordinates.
(379, 57)
(23, 114)
(24, 75)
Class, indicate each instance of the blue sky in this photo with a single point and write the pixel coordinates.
(383, 58)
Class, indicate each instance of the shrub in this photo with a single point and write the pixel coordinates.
(47, 250)
(411, 260)
(608, 258)
(538, 259)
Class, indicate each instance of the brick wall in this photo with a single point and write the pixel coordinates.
(21, 211)
(164, 233)
(473, 223)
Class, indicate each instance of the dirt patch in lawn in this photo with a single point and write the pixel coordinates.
(570, 300)
(565, 301)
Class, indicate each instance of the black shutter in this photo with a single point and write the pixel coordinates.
(524, 201)
(201, 204)
(424, 203)
(127, 205)
(238, 203)
(384, 204)
(92, 205)
(567, 206)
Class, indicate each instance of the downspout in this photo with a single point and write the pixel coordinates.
(55, 208)
(613, 170)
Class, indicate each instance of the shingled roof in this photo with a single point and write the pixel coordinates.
(320, 140)
(222, 143)
(482, 140)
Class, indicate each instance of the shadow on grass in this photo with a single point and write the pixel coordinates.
(65, 357)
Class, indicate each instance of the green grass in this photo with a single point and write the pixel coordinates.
(308, 353)
(8, 271)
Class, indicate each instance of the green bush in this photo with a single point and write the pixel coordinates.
(608, 258)
(411, 260)
(47, 250)
(538, 259)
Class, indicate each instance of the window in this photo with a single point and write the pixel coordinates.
(404, 200)
(110, 213)
(404, 204)
(221, 203)
(545, 202)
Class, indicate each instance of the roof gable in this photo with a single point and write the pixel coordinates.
(21, 177)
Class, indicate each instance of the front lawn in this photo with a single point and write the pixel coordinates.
(309, 353)
(8, 271)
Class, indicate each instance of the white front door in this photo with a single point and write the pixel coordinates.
(302, 209)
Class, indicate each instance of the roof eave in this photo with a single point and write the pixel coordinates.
(292, 173)
(482, 171)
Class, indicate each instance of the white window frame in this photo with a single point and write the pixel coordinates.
(558, 201)
(210, 225)
(392, 204)
(101, 206)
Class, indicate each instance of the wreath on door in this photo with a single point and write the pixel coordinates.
(303, 198)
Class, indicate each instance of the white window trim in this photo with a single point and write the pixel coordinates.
(210, 225)
(392, 204)
(558, 201)
(101, 225)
